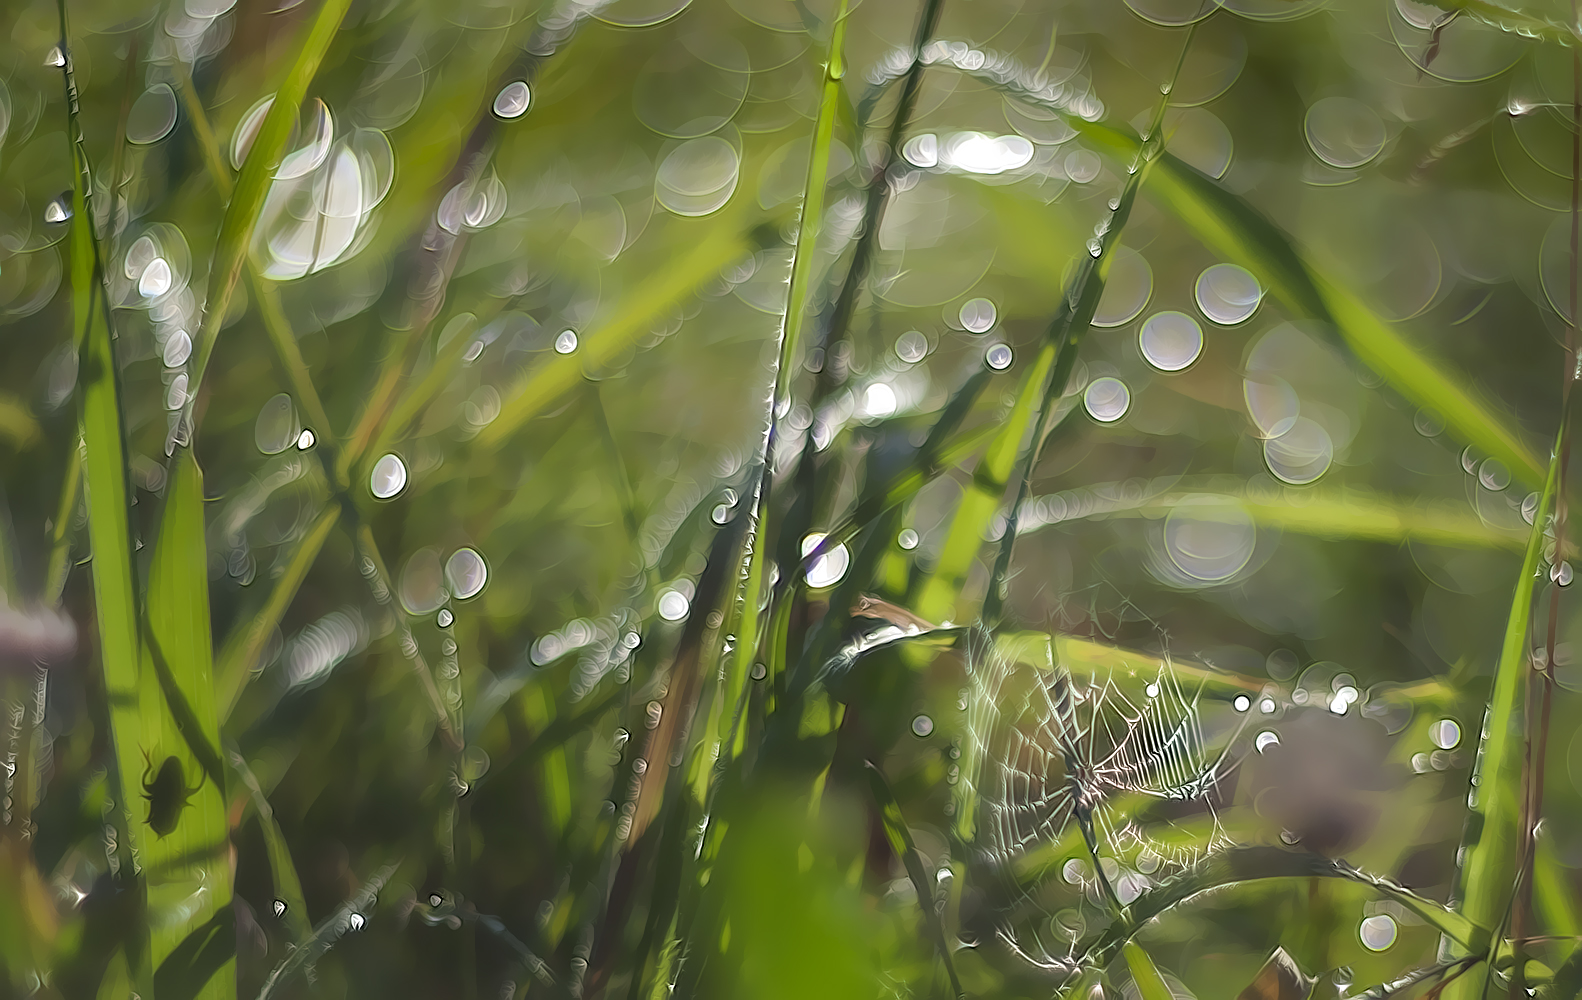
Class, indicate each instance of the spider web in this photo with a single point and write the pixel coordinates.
(1050, 747)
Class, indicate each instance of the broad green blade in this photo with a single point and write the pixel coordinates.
(186, 841)
(252, 185)
(1228, 225)
(536, 391)
(1150, 984)
(248, 639)
(1248, 864)
(1491, 843)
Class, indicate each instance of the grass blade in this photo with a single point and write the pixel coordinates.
(540, 388)
(252, 184)
(133, 707)
(187, 873)
(288, 887)
(739, 666)
(330, 930)
(1150, 984)
(900, 837)
(1492, 835)
(245, 644)
(1249, 864)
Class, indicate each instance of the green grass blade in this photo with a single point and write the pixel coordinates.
(1232, 228)
(330, 930)
(1150, 984)
(252, 184)
(133, 702)
(242, 649)
(60, 529)
(900, 838)
(1490, 844)
(1250, 864)
(188, 871)
(544, 385)
(739, 666)
(288, 887)
(1526, 23)
(1338, 514)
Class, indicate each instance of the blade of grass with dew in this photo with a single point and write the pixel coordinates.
(1489, 844)
(246, 643)
(331, 929)
(537, 390)
(132, 702)
(900, 838)
(252, 184)
(189, 879)
(1232, 228)
(1339, 514)
(1250, 864)
(1526, 23)
(288, 887)
(739, 665)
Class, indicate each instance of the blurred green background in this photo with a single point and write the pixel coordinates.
(534, 262)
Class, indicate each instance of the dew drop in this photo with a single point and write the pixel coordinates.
(280, 907)
(1265, 740)
(444, 620)
(828, 569)
(922, 726)
(907, 539)
(1242, 703)
(1428, 423)
(1170, 341)
(1493, 475)
(305, 440)
(1073, 871)
(878, 400)
(55, 57)
(1377, 932)
(512, 100)
(566, 342)
(673, 605)
(156, 279)
(59, 209)
(1530, 508)
(1266, 706)
(998, 357)
(388, 477)
(1106, 399)
(911, 347)
(760, 671)
(1227, 294)
(358, 921)
(922, 150)
(466, 573)
(1446, 734)
(978, 315)
(178, 347)
(1561, 574)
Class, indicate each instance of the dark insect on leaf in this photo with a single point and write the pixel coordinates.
(167, 794)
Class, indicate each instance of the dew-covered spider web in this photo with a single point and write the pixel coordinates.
(1132, 749)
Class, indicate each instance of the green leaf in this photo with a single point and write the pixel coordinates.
(1490, 845)
(1150, 984)
(900, 838)
(288, 886)
(1520, 22)
(189, 882)
(1247, 864)
(1228, 225)
(252, 185)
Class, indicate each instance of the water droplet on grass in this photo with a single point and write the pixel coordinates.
(1493, 475)
(673, 605)
(1266, 739)
(445, 618)
(388, 477)
(828, 569)
(1242, 703)
(59, 209)
(911, 347)
(512, 100)
(922, 726)
(55, 57)
(922, 150)
(1428, 423)
(998, 357)
(305, 440)
(1377, 932)
(156, 279)
(1445, 734)
(1106, 399)
(1561, 574)
(280, 907)
(358, 921)
(467, 573)
(566, 342)
(178, 347)
(978, 315)
(907, 539)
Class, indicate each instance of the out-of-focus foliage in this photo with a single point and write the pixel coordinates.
(782, 498)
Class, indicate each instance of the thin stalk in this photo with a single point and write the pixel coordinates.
(790, 333)
(1077, 319)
